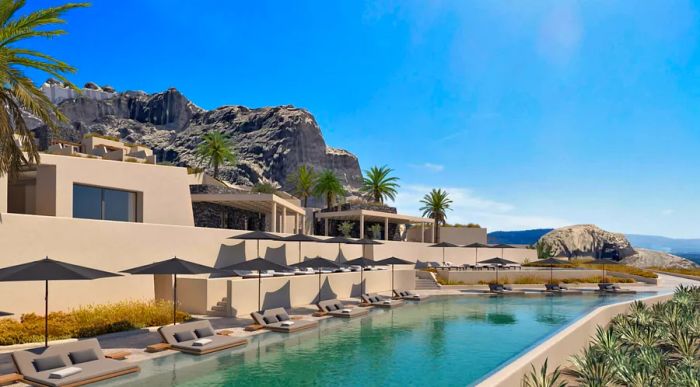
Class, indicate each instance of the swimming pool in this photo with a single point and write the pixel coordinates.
(447, 340)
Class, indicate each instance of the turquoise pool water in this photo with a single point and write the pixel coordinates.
(447, 340)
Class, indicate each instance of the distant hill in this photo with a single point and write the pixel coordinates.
(695, 257)
(669, 245)
(524, 237)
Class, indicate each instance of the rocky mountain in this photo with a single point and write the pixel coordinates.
(590, 241)
(270, 142)
(520, 237)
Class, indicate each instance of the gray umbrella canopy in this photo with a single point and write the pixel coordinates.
(50, 270)
(337, 239)
(257, 264)
(257, 236)
(365, 241)
(497, 261)
(503, 246)
(318, 263)
(443, 245)
(5, 314)
(476, 245)
(300, 238)
(362, 262)
(551, 262)
(172, 266)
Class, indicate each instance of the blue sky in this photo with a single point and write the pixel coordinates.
(530, 113)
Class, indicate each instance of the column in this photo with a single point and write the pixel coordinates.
(297, 230)
(273, 218)
(325, 228)
(422, 233)
(386, 229)
(362, 226)
(432, 233)
(284, 219)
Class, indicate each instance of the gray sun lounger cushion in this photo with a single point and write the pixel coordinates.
(91, 371)
(83, 356)
(184, 336)
(49, 363)
(281, 326)
(217, 343)
(204, 332)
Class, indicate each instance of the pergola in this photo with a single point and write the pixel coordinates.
(360, 215)
(272, 205)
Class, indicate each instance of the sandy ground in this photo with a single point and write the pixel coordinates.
(136, 341)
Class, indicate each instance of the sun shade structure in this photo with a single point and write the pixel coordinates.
(5, 314)
(362, 262)
(50, 270)
(551, 262)
(172, 266)
(339, 240)
(394, 261)
(317, 263)
(257, 236)
(476, 246)
(257, 264)
(300, 238)
(443, 245)
(496, 262)
(502, 246)
(603, 262)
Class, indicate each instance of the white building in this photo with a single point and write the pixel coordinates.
(57, 91)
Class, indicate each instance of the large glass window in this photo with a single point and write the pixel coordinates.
(103, 203)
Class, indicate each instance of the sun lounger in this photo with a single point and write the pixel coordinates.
(409, 295)
(336, 308)
(304, 271)
(198, 338)
(559, 289)
(70, 364)
(612, 288)
(277, 320)
(503, 289)
(380, 301)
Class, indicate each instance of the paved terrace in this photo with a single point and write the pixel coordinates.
(136, 341)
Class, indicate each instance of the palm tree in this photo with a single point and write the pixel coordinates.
(18, 92)
(435, 205)
(378, 185)
(303, 181)
(264, 188)
(328, 186)
(216, 150)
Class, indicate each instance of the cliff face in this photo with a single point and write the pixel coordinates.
(270, 142)
(590, 241)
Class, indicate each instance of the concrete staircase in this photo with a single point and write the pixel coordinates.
(426, 284)
(220, 309)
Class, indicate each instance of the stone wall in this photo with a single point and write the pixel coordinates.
(217, 216)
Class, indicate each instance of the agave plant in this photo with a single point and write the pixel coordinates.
(591, 370)
(542, 378)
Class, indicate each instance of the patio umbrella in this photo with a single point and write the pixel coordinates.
(476, 246)
(365, 242)
(497, 261)
(317, 263)
(394, 261)
(551, 262)
(258, 264)
(257, 236)
(172, 266)
(300, 238)
(443, 245)
(338, 240)
(503, 246)
(49, 270)
(601, 261)
(361, 262)
(5, 314)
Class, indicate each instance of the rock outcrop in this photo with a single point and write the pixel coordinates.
(589, 241)
(270, 142)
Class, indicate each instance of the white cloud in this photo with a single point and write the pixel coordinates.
(469, 207)
(430, 167)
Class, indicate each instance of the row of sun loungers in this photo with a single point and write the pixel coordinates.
(380, 301)
(198, 338)
(336, 308)
(277, 320)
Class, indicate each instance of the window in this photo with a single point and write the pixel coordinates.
(103, 203)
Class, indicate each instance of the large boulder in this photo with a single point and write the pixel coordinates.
(587, 241)
(270, 142)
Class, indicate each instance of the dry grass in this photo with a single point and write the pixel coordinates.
(534, 280)
(693, 271)
(89, 321)
(611, 268)
(442, 281)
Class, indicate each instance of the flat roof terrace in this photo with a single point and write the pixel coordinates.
(362, 215)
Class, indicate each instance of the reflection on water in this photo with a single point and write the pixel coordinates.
(443, 341)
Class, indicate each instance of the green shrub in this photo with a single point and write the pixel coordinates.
(89, 321)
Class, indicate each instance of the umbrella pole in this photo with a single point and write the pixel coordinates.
(319, 285)
(496, 273)
(258, 248)
(392, 279)
(259, 283)
(300, 252)
(46, 313)
(362, 280)
(476, 255)
(175, 300)
(443, 256)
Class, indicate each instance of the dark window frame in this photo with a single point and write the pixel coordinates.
(103, 208)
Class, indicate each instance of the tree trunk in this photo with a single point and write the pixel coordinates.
(437, 232)
(306, 201)
(216, 171)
